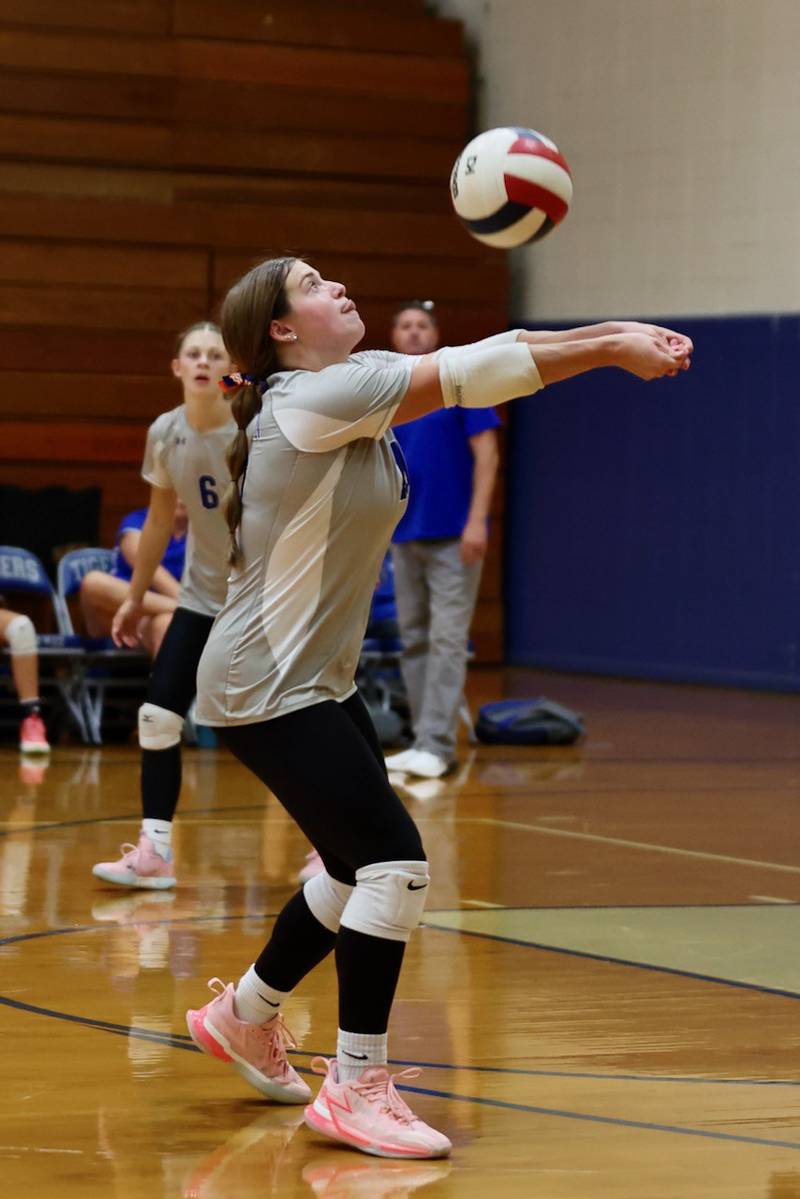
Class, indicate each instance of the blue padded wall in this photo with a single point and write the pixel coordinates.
(654, 528)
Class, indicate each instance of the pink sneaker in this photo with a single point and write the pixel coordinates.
(257, 1051)
(139, 866)
(33, 736)
(314, 866)
(369, 1115)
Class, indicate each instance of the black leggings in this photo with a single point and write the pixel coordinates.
(325, 765)
(172, 686)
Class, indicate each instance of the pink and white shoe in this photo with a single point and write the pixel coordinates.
(314, 866)
(33, 736)
(369, 1115)
(139, 866)
(256, 1051)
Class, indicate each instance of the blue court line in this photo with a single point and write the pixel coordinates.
(132, 817)
(183, 1040)
(561, 1113)
(602, 957)
(760, 988)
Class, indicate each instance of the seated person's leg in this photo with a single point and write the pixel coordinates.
(18, 633)
(100, 596)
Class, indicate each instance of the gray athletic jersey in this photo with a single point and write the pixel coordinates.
(193, 465)
(324, 488)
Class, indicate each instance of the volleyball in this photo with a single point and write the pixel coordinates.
(510, 186)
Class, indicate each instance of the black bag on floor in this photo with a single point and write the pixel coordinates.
(528, 722)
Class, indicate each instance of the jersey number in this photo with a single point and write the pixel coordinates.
(208, 495)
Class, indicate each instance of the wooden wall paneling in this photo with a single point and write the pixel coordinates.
(114, 352)
(320, 23)
(69, 139)
(57, 394)
(226, 225)
(364, 74)
(54, 262)
(304, 153)
(101, 307)
(252, 104)
(72, 442)
(33, 180)
(80, 53)
(117, 16)
(134, 97)
(237, 107)
(72, 139)
(390, 197)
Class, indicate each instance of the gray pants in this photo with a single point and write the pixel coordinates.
(436, 596)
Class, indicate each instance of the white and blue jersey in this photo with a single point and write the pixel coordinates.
(325, 485)
(193, 465)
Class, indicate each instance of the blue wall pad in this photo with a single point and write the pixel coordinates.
(654, 528)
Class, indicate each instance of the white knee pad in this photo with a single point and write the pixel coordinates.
(326, 897)
(388, 899)
(158, 727)
(21, 636)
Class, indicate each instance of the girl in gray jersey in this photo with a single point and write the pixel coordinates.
(319, 483)
(184, 459)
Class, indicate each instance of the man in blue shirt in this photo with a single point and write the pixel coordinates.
(438, 550)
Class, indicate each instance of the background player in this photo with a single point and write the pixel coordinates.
(184, 459)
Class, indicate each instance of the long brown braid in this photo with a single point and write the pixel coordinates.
(250, 306)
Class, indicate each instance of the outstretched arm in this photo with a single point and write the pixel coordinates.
(478, 377)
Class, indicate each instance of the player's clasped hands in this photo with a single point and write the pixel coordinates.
(653, 352)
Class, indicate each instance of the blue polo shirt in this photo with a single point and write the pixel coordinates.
(440, 470)
(173, 555)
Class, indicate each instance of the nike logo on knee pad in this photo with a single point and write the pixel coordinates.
(417, 887)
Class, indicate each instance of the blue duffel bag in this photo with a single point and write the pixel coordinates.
(528, 722)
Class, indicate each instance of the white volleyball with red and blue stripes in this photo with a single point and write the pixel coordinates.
(510, 186)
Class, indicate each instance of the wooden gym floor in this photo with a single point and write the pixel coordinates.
(603, 995)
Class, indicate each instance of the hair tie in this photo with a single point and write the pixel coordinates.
(237, 379)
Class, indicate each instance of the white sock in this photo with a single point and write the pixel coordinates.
(254, 1000)
(160, 833)
(357, 1050)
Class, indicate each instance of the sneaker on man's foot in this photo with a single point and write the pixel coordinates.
(33, 735)
(369, 1115)
(398, 761)
(256, 1051)
(139, 866)
(314, 866)
(424, 764)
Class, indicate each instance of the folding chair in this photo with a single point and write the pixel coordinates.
(61, 655)
(114, 679)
